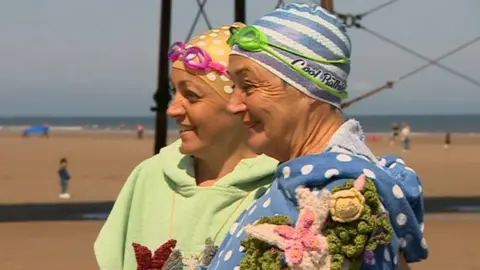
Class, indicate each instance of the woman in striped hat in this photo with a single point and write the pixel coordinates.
(290, 72)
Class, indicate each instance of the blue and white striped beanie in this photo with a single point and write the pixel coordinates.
(309, 30)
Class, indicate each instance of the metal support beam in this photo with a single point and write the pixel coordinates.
(162, 95)
(240, 11)
(328, 5)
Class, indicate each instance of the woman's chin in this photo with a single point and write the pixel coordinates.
(189, 147)
(258, 142)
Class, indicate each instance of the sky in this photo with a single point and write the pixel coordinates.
(99, 58)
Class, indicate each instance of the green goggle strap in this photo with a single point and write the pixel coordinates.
(261, 43)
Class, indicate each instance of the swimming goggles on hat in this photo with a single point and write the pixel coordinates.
(252, 39)
(194, 57)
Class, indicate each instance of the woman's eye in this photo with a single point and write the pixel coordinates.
(247, 87)
(192, 97)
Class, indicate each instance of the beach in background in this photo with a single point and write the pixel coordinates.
(102, 155)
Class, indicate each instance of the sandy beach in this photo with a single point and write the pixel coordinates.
(69, 245)
(101, 162)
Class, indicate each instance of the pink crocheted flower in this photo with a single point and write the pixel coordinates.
(302, 238)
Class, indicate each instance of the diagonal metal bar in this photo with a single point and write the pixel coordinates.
(406, 49)
(200, 12)
(280, 3)
(454, 51)
(353, 20)
(390, 84)
(377, 8)
(204, 14)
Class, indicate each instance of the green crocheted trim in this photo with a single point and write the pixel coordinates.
(349, 240)
(260, 255)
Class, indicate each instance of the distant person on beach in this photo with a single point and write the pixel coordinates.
(46, 130)
(139, 131)
(448, 140)
(196, 187)
(395, 132)
(405, 136)
(25, 131)
(64, 179)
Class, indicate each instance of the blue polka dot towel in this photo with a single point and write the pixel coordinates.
(398, 186)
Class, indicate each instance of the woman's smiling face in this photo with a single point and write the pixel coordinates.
(201, 113)
(269, 107)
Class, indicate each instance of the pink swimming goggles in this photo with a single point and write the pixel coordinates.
(194, 58)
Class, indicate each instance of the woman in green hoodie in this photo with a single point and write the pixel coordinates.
(195, 188)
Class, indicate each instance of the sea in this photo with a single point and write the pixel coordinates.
(370, 124)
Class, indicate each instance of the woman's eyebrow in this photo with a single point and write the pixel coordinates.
(191, 86)
(183, 84)
(242, 72)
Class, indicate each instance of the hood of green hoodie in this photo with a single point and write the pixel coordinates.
(179, 171)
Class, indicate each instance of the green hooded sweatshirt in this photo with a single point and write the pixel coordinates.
(160, 200)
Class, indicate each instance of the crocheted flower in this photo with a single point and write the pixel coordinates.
(354, 242)
(259, 254)
(145, 261)
(296, 241)
(347, 205)
(305, 247)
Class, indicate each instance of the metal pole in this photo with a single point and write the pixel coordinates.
(347, 104)
(240, 12)
(328, 5)
(162, 95)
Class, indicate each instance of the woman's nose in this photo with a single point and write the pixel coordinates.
(176, 109)
(236, 103)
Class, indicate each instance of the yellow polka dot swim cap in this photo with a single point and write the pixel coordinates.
(214, 42)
